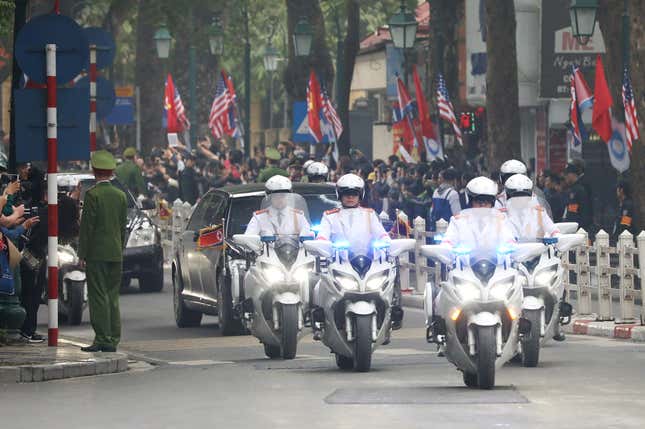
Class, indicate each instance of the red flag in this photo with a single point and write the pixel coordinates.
(172, 122)
(314, 107)
(433, 149)
(601, 118)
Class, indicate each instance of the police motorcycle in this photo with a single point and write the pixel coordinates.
(276, 283)
(478, 308)
(354, 314)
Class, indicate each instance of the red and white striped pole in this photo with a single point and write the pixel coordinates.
(92, 98)
(52, 197)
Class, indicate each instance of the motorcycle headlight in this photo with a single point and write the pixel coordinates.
(376, 281)
(502, 290)
(142, 237)
(545, 277)
(66, 257)
(273, 274)
(346, 282)
(468, 291)
(302, 273)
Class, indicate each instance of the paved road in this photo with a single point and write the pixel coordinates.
(204, 379)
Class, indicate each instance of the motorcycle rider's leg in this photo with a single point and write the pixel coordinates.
(314, 302)
(396, 302)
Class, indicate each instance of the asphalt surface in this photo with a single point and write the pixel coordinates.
(202, 379)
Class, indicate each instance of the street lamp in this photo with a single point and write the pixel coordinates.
(216, 38)
(302, 37)
(271, 58)
(162, 40)
(403, 31)
(583, 19)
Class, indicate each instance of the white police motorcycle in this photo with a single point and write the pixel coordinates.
(277, 283)
(354, 298)
(478, 307)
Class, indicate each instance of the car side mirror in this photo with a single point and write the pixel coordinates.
(437, 252)
(401, 245)
(251, 242)
(320, 248)
(567, 227)
(567, 242)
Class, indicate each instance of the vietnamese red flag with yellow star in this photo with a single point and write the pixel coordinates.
(601, 117)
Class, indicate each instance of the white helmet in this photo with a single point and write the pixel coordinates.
(518, 185)
(482, 189)
(307, 164)
(277, 184)
(510, 167)
(350, 183)
(317, 171)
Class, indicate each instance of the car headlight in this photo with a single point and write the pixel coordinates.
(502, 290)
(545, 277)
(346, 282)
(375, 282)
(66, 257)
(468, 291)
(302, 273)
(273, 274)
(141, 237)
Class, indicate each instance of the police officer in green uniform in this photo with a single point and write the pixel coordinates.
(272, 169)
(101, 242)
(129, 173)
(578, 199)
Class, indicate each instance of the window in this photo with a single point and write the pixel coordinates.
(197, 220)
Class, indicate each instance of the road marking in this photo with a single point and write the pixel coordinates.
(402, 352)
(203, 362)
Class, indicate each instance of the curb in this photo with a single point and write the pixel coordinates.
(589, 326)
(113, 363)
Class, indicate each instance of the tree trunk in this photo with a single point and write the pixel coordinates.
(149, 76)
(502, 103)
(352, 46)
(296, 74)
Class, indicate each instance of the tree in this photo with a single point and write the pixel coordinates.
(502, 105)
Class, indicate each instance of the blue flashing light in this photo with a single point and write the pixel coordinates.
(315, 228)
(267, 238)
(437, 238)
(381, 244)
(505, 249)
(461, 250)
(550, 240)
(341, 244)
(306, 238)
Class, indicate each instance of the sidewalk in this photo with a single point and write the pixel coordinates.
(580, 325)
(26, 363)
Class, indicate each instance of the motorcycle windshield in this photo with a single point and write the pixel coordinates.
(286, 248)
(288, 215)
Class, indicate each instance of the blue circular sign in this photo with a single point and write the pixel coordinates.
(105, 48)
(617, 145)
(71, 47)
(105, 95)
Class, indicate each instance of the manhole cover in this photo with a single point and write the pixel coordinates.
(426, 395)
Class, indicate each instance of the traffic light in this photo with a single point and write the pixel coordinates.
(467, 123)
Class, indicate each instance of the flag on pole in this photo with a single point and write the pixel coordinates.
(410, 114)
(233, 125)
(583, 94)
(617, 147)
(574, 118)
(428, 134)
(631, 118)
(331, 116)
(218, 120)
(176, 120)
(403, 139)
(314, 107)
(446, 111)
(601, 121)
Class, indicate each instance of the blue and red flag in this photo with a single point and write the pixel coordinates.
(410, 112)
(575, 111)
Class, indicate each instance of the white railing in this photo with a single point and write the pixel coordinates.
(172, 226)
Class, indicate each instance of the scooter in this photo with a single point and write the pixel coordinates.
(543, 304)
(277, 290)
(72, 285)
(354, 311)
(478, 308)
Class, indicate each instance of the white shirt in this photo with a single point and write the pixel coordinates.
(359, 226)
(479, 228)
(272, 221)
(529, 220)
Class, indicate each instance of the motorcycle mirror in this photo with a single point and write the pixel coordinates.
(567, 242)
(401, 245)
(567, 227)
(437, 252)
(525, 251)
(321, 248)
(251, 242)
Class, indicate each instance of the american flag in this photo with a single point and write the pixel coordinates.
(446, 111)
(631, 119)
(332, 116)
(219, 116)
(181, 111)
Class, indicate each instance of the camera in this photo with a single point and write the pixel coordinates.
(31, 212)
(8, 178)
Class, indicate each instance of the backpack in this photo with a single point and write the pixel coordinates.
(440, 209)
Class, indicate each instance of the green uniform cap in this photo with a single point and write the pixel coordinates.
(272, 153)
(103, 160)
(129, 152)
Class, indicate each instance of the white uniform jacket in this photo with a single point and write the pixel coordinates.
(530, 221)
(479, 228)
(271, 221)
(359, 226)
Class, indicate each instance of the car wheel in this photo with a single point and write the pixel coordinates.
(184, 317)
(272, 352)
(152, 282)
(227, 322)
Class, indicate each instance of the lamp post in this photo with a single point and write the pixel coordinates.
(162, 40)
(216, 38)
(271, 58)
(403, 31)
(583, 19)
(302, 37)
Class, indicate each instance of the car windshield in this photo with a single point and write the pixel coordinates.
(88, 183)
(242, 210)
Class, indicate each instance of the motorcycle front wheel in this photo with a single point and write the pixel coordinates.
(289, 326)
(486, 356)
(76, 292)
(531, 344)
(362, 343)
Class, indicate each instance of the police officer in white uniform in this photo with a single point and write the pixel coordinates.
(317, 172)
(279, 218)
(508, 168)
(479, 226)
(358, 225)
(529, 220)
